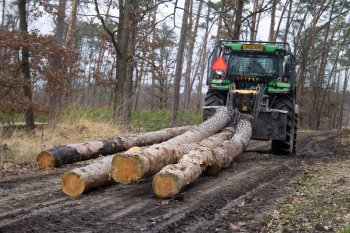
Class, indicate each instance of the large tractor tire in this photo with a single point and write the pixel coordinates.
(213, 98)
(295, 133)
(287, 146)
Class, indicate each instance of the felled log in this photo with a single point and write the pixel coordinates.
(128, 167)
(172, 178)
(83, 179)
(72, 153)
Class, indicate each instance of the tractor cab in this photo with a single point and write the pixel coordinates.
(256, 78)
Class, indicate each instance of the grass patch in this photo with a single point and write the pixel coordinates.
(22, 147)
(79, 124)
(154, 120)
(6, 116)
(79, 113)
(320, 202)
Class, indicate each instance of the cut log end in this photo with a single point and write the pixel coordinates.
(135, 149)
(72, 184)
(45, 160)
(126, 169)
(166, 185)
(213, 170)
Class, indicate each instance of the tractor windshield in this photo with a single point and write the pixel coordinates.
(253, 64)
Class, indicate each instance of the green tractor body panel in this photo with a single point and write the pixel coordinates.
(278, 87)
(221, 84)
(256, 78)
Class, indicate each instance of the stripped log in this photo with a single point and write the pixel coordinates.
(83, 179)
(172, 178)
(72, 153)
(128, 167)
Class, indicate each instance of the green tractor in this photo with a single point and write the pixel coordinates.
(256, 78)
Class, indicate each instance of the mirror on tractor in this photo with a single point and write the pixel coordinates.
(287, 65)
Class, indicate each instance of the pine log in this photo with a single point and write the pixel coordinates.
(72, 153)
(172, 178)
(83, 179)
(224, 155)
(128, 167)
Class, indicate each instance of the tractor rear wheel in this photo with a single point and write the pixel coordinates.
(288, 145)
(213, 98)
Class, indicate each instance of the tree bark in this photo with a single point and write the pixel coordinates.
(238, 20)
(342, 101)
(258, 21)
(3, 14)
(286, 31)
(203, 61)
(73, 17)
(188, 89)
(272, 22)
(253, 24)
(56, 87)
(179, 62)
(280, 20)
(27, 88)
(128, 167)
(72, 153)
(172, 178)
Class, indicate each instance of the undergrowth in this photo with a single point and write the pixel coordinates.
(78, 124)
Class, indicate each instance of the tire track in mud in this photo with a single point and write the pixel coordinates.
(239, 195)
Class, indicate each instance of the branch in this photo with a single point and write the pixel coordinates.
(105, 27)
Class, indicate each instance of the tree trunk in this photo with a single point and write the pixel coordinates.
(153, 15)
(280, 20)
(128, 167)
(342, 102)
(220, 19)
(122, 63)
(72, 153)
(258, 21)
(253, 24)
(3, 14)
(73, 17)
(193, 37)
(203, 61)
(55, 86)
(238, 20)
(179, 62)
(83, 179)
(172, 178)
(27, 88)
(130, 72)
(272, 21)
(286, 31)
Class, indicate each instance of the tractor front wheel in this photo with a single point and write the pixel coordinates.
(288, 145)
(213, 98)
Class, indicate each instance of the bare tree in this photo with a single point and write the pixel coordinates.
(73, 17)
(55, 87)
(238, 20)
(3, 14)
(179, 62)
(27, 88)
(193, 37)
(272, 21)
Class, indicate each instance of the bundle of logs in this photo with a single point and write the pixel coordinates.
(175, 157)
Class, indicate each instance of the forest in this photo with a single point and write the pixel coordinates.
(133, 55)
(106, 123)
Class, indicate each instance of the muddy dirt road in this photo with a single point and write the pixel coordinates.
(235, 201)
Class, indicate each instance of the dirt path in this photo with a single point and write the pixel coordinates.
(236, 200)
